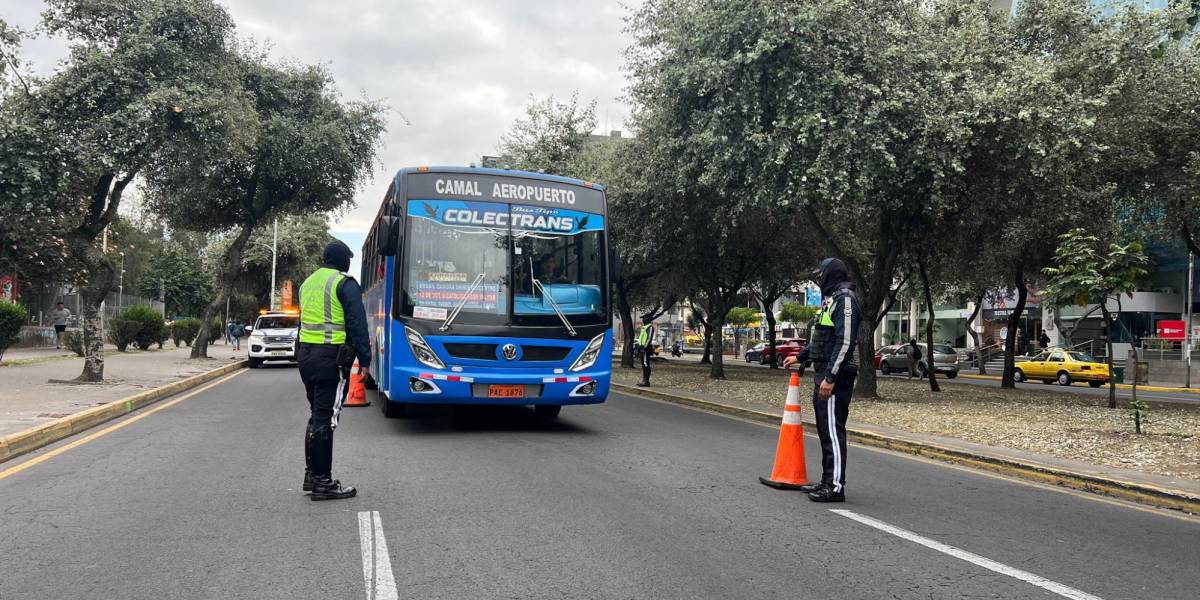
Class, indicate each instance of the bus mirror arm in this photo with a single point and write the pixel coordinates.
(390, 229)
(614, 263)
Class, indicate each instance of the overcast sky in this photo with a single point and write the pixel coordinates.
(460, 70)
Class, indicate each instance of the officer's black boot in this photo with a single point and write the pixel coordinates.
(327, 488)
(809, 488)
(309, 441)
(827, 494)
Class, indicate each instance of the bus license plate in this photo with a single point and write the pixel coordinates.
(506, 391)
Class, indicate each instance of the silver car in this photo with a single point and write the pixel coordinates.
(894, 359)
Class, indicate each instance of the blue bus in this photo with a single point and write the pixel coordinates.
(489, 286)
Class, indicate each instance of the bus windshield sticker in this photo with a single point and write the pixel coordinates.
(429, 313)
(534, 219)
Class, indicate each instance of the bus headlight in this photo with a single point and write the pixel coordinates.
(420, 349)
(590, 354)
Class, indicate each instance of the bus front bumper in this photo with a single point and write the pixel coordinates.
(423, 386)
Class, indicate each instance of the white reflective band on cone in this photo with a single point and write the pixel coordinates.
(791, 417)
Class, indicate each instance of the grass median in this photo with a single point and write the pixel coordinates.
(1073, 426)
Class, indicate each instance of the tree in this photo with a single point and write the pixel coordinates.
(148, 82)
(179, 276)
(1088, 271)
(309, 153)
(739, 318)
(301, 241)
(551, 136)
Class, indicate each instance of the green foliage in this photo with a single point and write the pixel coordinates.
(794, 312)
(550, 137)
(180, 276)
(164, 334)
(149, 325)
(1088, 271)
(75, 343)
(123, 332)
(741, 316)
(1139, 413)
(183, 331)
(12, 318)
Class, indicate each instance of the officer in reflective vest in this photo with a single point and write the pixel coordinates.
(645, 340)
(333, 332)
(831, 351)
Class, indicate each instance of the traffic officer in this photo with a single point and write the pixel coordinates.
(831, 352)
(644, 340)
(333, 332)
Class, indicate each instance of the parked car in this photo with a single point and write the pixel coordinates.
(1064, 367)
(755, 352)
(783, 349)
(894, 359)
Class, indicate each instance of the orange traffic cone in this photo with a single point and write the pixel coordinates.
(358, 392)
(789, 472)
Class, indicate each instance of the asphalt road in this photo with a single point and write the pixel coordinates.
(629, 499)
(1078, 388)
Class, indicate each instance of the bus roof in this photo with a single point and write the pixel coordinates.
(500, 172)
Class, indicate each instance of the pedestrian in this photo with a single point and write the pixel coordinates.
(237, 330)
(228, 331)
(333, 332)
(645, 341)
(914, 359)
(1044, 340)
(831, 352)
(58, 318)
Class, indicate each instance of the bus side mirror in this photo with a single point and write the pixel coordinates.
(614, 264)
(389, 228)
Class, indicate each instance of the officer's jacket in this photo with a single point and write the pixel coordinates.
(835, 334)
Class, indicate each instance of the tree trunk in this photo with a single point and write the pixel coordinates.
(1112, 383)
(626, 314)
(1014, 321)
(1112, 402)
(979, 358)
(770, 316)
(101, 274)
(717, 369)
(866, 384)
(231, 265)
(930, 363)
(707, 358)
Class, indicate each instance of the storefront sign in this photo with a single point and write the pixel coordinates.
(1172, 330)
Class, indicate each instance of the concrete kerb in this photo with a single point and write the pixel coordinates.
(23, 442)
(1137, 492)
(1120, 386)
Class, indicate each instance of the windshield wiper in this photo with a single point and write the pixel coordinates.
(537, 285)
(454, 313)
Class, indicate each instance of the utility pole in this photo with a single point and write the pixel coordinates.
(1187, 329)
(274, 255)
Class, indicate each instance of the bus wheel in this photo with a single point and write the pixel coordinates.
(391, 410)
(547, 411)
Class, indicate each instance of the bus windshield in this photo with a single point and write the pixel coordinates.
(504, 263)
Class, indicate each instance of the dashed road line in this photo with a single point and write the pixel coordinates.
(975, 559)
(377, 563)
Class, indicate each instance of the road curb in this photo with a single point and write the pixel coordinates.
(23, 442)
(1126, 490)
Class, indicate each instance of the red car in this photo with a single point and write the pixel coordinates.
(783, 348)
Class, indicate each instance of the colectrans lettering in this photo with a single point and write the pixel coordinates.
(466, 216)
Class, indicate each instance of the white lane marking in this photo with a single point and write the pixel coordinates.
(377, 563)
(987, 563)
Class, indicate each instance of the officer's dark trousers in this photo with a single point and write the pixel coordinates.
(646, 365)
(326, 386)
(831, 425)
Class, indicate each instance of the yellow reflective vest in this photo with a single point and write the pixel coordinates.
(321, 318)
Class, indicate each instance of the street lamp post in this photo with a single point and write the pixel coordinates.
(121, 284)
(274, 248)
(1187, 327)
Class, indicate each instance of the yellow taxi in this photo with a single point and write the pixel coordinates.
(1064, 367)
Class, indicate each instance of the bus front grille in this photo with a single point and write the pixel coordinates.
(472, 351)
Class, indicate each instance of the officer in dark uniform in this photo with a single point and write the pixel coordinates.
(333, 332)
(645, 341)
(831, 352)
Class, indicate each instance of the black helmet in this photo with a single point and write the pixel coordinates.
(829, 274)
(337, 255)
(646, 319)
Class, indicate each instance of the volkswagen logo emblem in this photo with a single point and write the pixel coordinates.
(509, 351)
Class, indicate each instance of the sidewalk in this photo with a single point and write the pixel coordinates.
(28, 398)
(879, 435)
